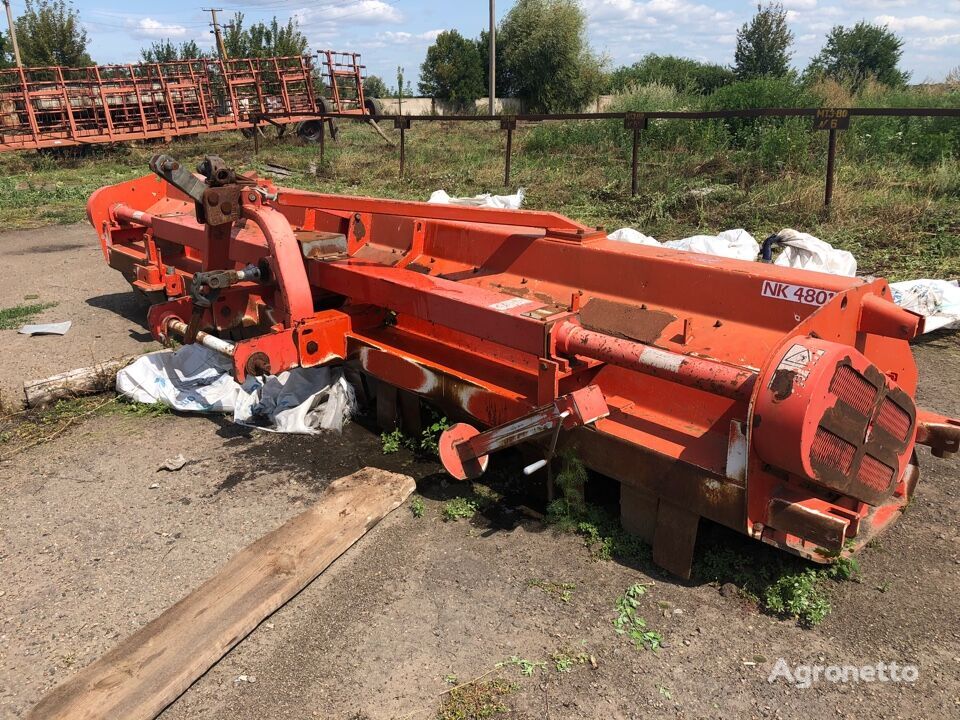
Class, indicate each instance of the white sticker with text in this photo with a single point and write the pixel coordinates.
(510, 304)
(796, 293)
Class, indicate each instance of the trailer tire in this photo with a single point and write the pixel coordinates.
(373, 107)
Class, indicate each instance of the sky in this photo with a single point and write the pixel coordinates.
(391, 33)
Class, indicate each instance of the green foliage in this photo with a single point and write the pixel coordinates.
(12, 318)
(798, 595)
(50, 33)
(263, 40)
(526, 667)
(460, 507)
(682, 74)
(763, 44)
(375, 87)
(6, 51)
(865, 51)
(430, 435)
(628, 622)
(782, 585)
(417, 507)
(475, 701)
(452, 69)
(426, 445)
(601, 532)
(565, 660)
(546, 59)
(391, 442)
(168, 51)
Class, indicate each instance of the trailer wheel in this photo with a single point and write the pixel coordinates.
(310, 130)
(373, 106)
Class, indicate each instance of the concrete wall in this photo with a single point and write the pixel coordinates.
(432, 106)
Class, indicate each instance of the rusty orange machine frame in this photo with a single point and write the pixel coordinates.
(775, 401)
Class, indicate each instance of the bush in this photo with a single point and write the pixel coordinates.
(683, 74)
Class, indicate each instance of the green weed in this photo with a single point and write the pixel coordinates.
(417, 507)
(565, 660)
(779, 584)
(601, 531)
(12, 318)
(458, 508)
(526, 667)
(475, 701)
(628, 622)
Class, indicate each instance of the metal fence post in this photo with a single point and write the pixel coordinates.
(509, 124)
(402, 123)
(636, 122)
(831, 119)
(831, 157)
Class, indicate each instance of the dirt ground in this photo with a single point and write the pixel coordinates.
(95, 542)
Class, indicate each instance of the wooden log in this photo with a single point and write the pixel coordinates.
(150, 669)
(82, 381)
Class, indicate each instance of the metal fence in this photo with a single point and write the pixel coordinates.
(830, 120)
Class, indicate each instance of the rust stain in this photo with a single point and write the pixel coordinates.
(625, 321)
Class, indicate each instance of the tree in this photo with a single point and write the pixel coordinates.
(684, 74)
(262, 40)
(6, 52)
(375, 87)
(763, 44)
(166, 51)
(483, 47)
(452, 69)
(50, 33)
(547, 61)
(861, 52)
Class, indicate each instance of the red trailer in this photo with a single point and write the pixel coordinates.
(61, 107)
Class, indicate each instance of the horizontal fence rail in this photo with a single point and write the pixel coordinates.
(831, 120)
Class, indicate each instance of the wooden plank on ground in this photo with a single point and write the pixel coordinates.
(82, 381)
(154, 666)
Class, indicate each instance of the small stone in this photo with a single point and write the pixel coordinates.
(154, 486)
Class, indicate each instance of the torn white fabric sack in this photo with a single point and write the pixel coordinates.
(504, 202)
(192, 379)
(937, 300)
(197, 379)
(291, 402)
(737, 244)
(634, 237)
(807, 252)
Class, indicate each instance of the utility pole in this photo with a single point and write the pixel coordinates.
(216, 30)
(13, 34)
(493, 56)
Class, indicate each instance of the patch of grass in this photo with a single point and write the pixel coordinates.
(629, 623)
(417, 507)
(475, 701)
(459, 507)
(526, 667)
(426, 445)
(779, 584)
(12, 318)
(601, 531)
(562, 591)
(565, 660)
(391, 442)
